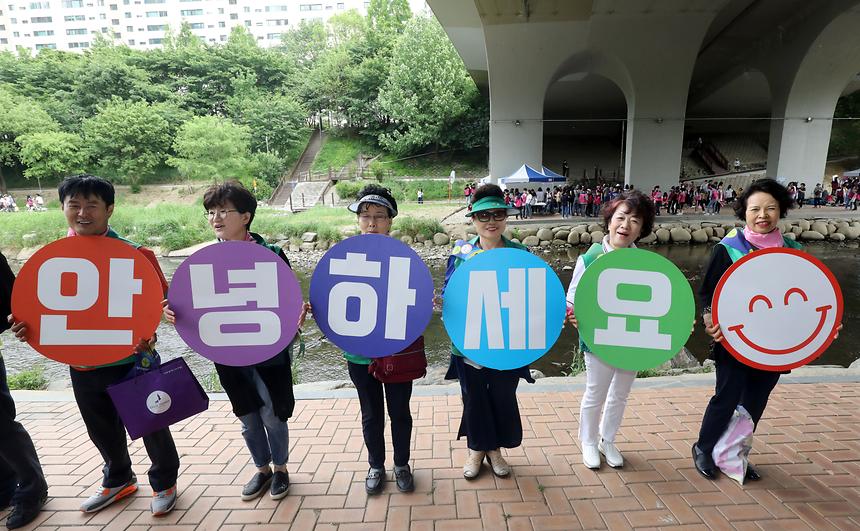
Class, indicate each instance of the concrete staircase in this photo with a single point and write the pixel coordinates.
(284, 191)
(306, 195)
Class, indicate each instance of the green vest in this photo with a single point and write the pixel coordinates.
(593, 253)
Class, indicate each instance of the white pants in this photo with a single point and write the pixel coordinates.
(604, 385)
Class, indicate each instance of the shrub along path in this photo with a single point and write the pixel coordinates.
(807, 448)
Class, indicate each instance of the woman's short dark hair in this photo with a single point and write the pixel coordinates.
(487, 190)
(234, 192)
(640, 205)
(86, 185)
(375, 189)
(768, 186)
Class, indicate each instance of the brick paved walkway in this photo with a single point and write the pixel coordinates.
(807, 447)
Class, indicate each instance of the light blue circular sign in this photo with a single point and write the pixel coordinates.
(504, 308)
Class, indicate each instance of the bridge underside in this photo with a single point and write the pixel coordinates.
(632, 88)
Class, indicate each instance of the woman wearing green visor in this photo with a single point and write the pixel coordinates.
(491, 417)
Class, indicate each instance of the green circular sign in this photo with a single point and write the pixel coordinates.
(635, 309)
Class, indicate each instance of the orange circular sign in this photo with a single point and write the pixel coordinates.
(87, 300)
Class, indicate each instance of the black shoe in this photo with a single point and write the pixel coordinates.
(373, 481)
(25, 512)
(403, 477)
(280, 485)
(752, 474)
(257, 486)
(704, 463)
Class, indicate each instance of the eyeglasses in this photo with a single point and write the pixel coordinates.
(211, 214)
(485, 215)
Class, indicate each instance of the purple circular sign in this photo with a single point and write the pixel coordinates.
(236, 303)
(372, 295)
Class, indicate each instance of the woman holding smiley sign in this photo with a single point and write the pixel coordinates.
(627, 219)
(749, 383)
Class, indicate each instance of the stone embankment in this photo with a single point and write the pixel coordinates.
(573, 234)
(567, 234)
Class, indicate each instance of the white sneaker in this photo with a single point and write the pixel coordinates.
(473, 464)
(611, 453)
(591, 456)
(500, 467)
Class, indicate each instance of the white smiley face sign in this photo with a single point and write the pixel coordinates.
(777, 308)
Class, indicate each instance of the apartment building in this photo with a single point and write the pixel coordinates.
(71, 25)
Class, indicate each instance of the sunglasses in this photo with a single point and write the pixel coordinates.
(485, 215)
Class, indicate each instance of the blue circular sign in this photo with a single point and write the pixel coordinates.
(504, 308)
(372, 295)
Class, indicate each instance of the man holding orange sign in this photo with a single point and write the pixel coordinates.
(95, 303)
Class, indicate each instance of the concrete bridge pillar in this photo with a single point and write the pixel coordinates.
(807, 78)
(522, 59)
(657, 56)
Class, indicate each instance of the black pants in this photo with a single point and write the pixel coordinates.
(21, 477)
(491, 416)
(370, 391)
(737, 385)
(107, 431)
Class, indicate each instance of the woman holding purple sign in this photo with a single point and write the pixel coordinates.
(376, 209)
(491, 416)
(627, 219)
(262, 394)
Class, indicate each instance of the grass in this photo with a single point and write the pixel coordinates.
(341, 149)
(471, 164)
(338, 151)
(402, 190)
(177, 226)
(32, 380)
(409, 226)
(577, 363)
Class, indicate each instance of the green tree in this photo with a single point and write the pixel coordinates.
(428, 92)
(267, 167)
(304, 43)
(275, 120)
(388, 18)
(845, 136)
(19, 116)
(128, 140)
(51, 154)
(209, 147)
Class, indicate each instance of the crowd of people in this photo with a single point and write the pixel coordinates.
(844, 192)
(261, 395)
(33, 203)
(569, 200)
(706, 198)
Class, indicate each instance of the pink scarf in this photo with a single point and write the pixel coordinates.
(764, 241)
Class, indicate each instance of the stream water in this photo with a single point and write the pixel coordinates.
(323, 361)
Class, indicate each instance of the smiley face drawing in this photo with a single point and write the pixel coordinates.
(778, 309)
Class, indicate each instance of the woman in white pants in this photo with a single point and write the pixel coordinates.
(627, 219)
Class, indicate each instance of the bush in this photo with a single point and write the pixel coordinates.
(349, 189)
(31, 380)
(409, 226)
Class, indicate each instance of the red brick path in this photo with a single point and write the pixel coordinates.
(807, 447)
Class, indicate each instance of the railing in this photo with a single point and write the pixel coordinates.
(315, 176)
